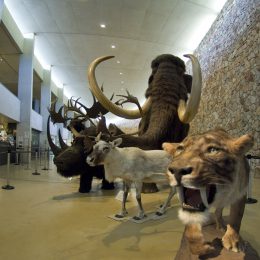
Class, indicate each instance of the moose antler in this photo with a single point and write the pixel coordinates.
(82, 111)
(57, 117)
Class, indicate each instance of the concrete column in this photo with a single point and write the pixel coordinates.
(45, 104)
(1, 8)
(25, 91)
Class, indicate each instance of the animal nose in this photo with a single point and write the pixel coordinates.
(57, 161)
(91, 159)
(180, 171)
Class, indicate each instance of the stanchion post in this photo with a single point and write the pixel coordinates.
(28, 156)
(17, 157)
(8, 186)
(249, 199)
(46, 167)
(36, 163)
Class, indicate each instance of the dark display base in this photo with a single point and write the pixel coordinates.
(8, 187)
(214, 237)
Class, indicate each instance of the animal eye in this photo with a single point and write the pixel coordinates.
(180, 148)
(105, 149)
(213, 149)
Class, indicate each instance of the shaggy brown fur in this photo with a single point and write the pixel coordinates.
(168, 84)
(212, 164)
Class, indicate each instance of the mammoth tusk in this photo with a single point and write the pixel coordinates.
(188, 111)
(128, 114)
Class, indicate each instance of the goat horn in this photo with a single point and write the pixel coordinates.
(95, 89)
(55, 149)
(188, 111)
(63, 145)
(98, 137)
(75, 132)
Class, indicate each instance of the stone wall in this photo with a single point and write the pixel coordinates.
(230, 63)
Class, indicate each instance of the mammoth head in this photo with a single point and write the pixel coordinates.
(163, 63)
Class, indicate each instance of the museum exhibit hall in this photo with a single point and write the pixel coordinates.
(129, 129)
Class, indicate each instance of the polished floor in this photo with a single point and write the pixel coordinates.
(45, 218)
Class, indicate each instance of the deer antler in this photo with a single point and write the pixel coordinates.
(129, 99)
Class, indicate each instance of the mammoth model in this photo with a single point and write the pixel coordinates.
(165, 114)
(167, 111)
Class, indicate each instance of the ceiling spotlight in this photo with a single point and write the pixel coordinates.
(1, 59)
(118, 61)
(121, 73)
(113, 46)
(102, 25)
(122, 82)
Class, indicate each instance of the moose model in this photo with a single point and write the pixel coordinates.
(71, 160)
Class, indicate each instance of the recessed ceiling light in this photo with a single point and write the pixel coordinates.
(1, 59)
(121, 73)
(113, 46)
(118, 61)
(122, 82)
(102, 25)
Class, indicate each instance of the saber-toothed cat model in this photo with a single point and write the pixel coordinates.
(210, 170)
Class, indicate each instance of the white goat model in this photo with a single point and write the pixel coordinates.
(133, 165)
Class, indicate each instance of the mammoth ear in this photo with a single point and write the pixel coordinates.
(117, 142)
(169, 147)
(188, 82)
(243, 144)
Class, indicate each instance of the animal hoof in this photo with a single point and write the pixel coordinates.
(158, 214)
(119, 216)
(139, 218)
(84, 190)
(108, 186)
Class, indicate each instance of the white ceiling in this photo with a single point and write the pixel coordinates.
(69, 37)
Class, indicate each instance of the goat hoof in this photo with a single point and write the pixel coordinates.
(139, 218)
(158, 214)
(119, 216)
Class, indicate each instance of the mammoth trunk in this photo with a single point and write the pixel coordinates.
(161, 123)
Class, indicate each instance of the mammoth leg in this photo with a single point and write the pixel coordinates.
(220, 224)
(85, 182)
(149, 188)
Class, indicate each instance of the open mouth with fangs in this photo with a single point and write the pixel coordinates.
(196, 199)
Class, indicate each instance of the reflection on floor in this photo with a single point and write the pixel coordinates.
(45, 218)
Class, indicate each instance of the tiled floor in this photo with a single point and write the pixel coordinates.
(45, 218)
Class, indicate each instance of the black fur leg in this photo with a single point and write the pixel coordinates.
(85, 183)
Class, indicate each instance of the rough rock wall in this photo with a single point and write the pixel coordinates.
(230, 63)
